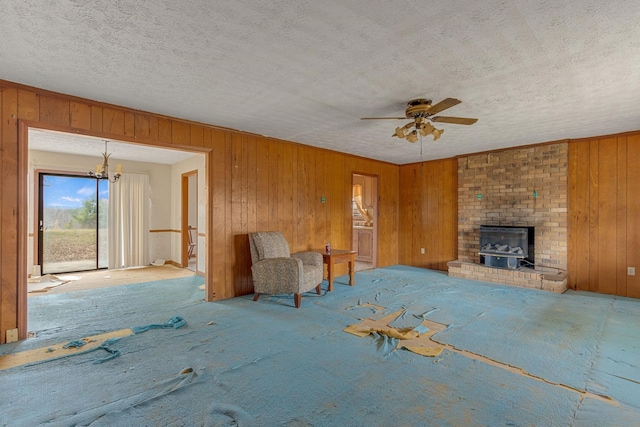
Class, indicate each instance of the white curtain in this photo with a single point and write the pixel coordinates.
(129, 221)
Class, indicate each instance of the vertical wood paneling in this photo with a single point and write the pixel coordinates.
(247, 206)
(338, 201)
(8, 213)
(54, 111)
(406, 188)
(3, 301)
(429, 215)
(262, 186)
(180, 133)
(28, 105)
(113, 121)
(607, 209)
(621, 217)
(388, 206)
(252, 187)
(229, 288)
(448, 219)
(287, 161)
(217, 218)
(604, 231)
(164, 130)
(305, 227)
(633, 214)
(197, 136)
(319, 214)
(154, 128)
(311, 214)
(579, 182)
(207, 138)
(96, 118)
(274, 179)
(428, 219)
(594, 220)
(238, 221)
(129, 124)
(142, 126)
(80, 115)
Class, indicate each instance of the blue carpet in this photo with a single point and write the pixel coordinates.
(265, 363)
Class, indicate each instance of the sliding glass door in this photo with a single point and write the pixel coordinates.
(73, 223)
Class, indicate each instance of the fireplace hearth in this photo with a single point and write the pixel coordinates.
(507, 247)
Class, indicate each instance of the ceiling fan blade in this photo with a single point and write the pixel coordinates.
(384, 118)
(454, 120)
(443, 105)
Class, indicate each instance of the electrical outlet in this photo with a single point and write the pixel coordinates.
(422, 251)
(631, 271)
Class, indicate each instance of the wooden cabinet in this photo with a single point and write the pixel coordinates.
(363, 244)
(366, 182)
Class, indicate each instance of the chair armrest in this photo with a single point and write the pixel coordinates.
(310, 258)
(281, 270)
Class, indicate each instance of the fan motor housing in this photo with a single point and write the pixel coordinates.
(418, 108)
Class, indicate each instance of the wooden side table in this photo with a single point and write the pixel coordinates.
(336, 256)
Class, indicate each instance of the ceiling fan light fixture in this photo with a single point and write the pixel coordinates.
(426, 129)
(402, 132)
(413, 136)
(399, 133)
(437, 133)
(422, 112)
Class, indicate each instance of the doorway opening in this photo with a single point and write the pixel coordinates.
(189, 216)
(54, 155)
(365, 220)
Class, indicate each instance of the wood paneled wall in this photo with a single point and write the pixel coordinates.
(254, 183)
(604, 214)
(429, 213)
(273, 185)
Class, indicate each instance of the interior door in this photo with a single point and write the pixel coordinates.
(72, 223)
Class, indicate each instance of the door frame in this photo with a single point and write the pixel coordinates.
(23, 205)
(376, 199)
(184, 212)
(38, 213)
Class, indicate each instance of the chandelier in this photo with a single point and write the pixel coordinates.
(422, 127)
(102, 170)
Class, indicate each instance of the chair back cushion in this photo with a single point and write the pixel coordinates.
(270, 244)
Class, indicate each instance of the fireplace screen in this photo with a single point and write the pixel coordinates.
(506, 247)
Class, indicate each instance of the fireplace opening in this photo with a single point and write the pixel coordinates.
(507, 246)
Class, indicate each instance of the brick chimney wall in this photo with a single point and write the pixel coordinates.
(498, 189)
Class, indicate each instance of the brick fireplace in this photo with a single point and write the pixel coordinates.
(524, 187)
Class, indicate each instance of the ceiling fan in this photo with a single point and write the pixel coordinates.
(422, 112)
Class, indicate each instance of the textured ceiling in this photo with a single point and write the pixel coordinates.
(82, 145)
(530, 70)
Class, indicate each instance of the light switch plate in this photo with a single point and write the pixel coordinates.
(422, 251)
(631, 271)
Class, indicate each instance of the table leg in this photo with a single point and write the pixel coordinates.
(351, 271)
(330, 274)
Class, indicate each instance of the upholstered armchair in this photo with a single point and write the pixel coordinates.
(276, 271)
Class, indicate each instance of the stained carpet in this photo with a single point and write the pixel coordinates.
(511, 356)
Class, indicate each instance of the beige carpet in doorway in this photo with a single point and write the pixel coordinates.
(106, 278)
